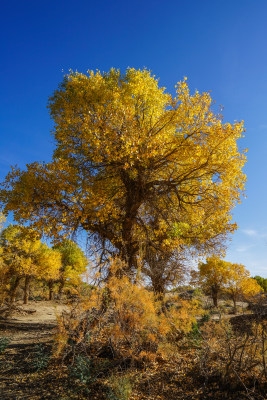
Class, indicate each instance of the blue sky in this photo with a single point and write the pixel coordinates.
(221, 46)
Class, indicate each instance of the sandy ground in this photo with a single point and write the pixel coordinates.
(30, 325)
(38, 312)
(33, 323)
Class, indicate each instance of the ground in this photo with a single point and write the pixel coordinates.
(30, 332)
(26, 373)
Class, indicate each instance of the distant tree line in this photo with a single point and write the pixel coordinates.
(25, 259)
(216, 276)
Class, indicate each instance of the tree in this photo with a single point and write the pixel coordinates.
(4, 284)
(163, 269)
(218, 275)
(240, 284)
(213, 276)
(262, 282)
(50, 260)
(25, 257)
(165, 265)
(126, 151)
(73, 263)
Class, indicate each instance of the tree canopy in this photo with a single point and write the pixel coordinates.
(73, 263)
(25, 256)
(262, 282)
(134, 166)
(213, 276)
(240, 283)
(217, 275)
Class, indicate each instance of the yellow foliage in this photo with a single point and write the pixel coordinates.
(128, 316)
(240, 283)
(73, 262)
(23, 255)
(217, 274)
(49, 263)
(126, 149)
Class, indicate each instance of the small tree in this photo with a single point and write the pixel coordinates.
(240, 284)
(262, 282)
(213, 276)
(50, 263)
(73, 263)
(216, 275)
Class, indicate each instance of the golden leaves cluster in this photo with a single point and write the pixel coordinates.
(230, 277)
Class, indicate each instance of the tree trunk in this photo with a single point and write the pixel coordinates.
(60, 289)
(14, 290)
(134, 196)
(234, 301)
(128, 251)
(214, 295)
(158, 285)
(26, 290)
(51, 290)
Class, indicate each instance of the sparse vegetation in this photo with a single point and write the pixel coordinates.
(41, 357)
(3, 343)
(120, 388)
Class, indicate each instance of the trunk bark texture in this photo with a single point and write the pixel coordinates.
(214, 294)
(234, 301)
(14, 290)
(51, 290)
(26, 290)
(60, 289)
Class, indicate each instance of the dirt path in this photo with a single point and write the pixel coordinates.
(29, 333)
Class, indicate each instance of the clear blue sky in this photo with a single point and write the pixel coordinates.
(221, 46)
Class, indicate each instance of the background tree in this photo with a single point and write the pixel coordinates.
(163, 269)
(4, 280)
(213, 276)
(167, 266)
(50, 265)
(218, 275)
(126, 150)
(240, 284)
(262, 282)
(25, 257)
(73, 263)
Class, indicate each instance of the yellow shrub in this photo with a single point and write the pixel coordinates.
(127, 316)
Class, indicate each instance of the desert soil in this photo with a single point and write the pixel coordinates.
(30, 331)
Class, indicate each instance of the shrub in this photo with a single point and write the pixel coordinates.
(41, 357)
(234, 356)
(4, 341)
(125, 317)
(120, 388)
(81, 371)
(205, 318)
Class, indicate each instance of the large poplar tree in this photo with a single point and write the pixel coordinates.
(127, 151)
